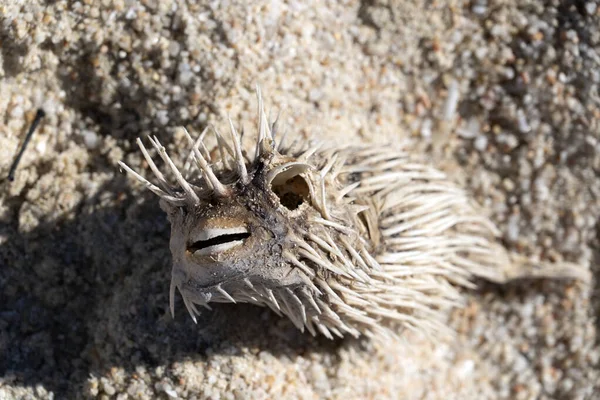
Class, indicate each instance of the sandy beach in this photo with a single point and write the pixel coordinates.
(503, 96)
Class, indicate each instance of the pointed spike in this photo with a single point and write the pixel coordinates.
(333, 244)
(250, 295)
(267, 297)
(273, 299)
(291, 312)
(347, 190)
(219, 189)
(194, 308)
(222, 152)
(328, 166)
(322, 328)
(312, 301)
(343, 257)
(322, 243)
(224, 293)
(267, 144)
(264, 142)
(161, 178)
(304, 245)
(324, 263)
(207, 156)
(275, 125)
(324, 200)
(310, 285)
(355, 255)
(199, 142)
(304, 268)
(261, 131)
(338, 167)
(334, 225)
(336, 332)
(188, 307)
(351, 294)
(248, 283)
(357, 209)
(172, 298)
(311, 328)
(223, 146)
(162, 151)
(333, 296)
(298, 303)
(280, 146)
(308, 153)
(240, 163)
(152, 187)
(274, 309)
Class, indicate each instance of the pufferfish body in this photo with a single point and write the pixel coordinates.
(342, 240)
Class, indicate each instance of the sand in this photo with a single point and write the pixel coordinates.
(502, 95)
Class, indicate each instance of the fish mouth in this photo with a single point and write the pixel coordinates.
(217, 240)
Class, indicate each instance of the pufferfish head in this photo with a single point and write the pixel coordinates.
(235, 243)
(239, 225)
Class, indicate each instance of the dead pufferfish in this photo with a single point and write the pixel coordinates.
(350, 240)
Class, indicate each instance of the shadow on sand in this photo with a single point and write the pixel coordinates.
(82, 295)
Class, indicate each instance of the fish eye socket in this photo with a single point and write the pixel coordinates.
(292, 192)
(212, 241)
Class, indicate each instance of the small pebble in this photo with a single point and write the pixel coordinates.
(90, 139)
(162, 117)
(480, 142)
(512, 228)
(426, 128)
